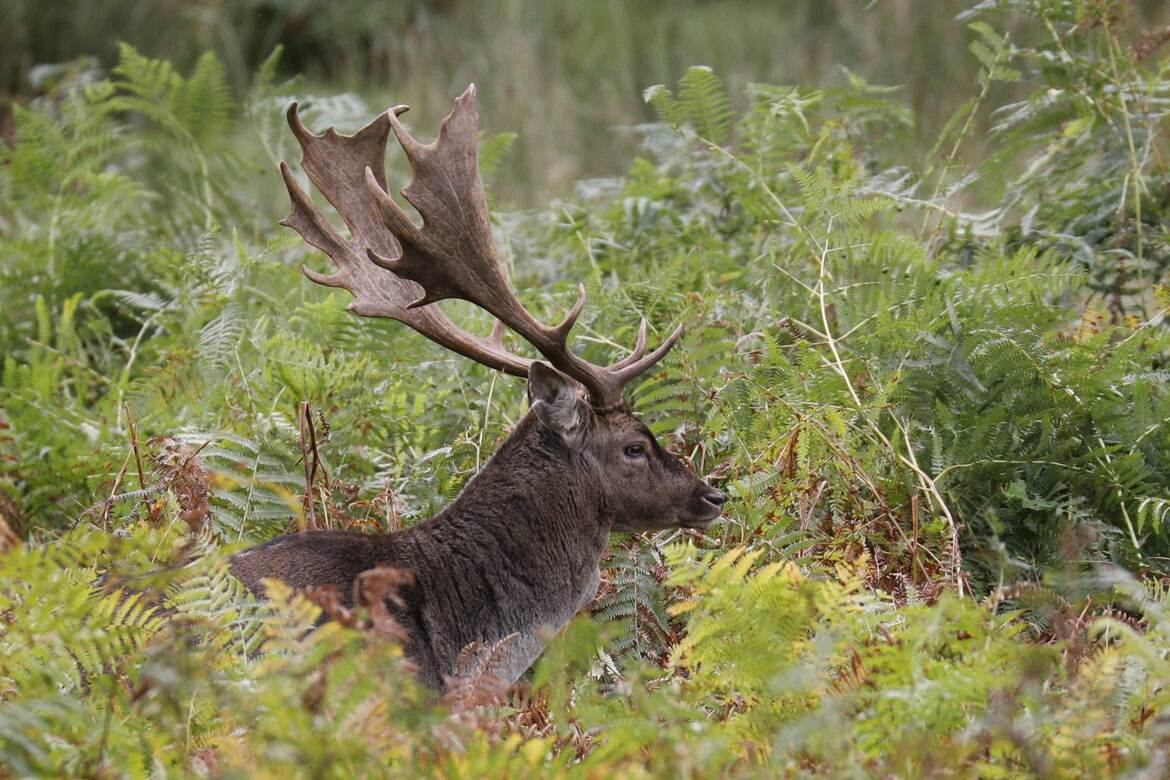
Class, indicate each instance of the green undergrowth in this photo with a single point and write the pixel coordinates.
(934, 394)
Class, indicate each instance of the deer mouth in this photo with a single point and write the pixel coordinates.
(711, 509)
(701, 523)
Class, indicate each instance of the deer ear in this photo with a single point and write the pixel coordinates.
(553, 397)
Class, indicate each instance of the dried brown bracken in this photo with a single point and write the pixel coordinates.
(374, 591)
(8, 538)
(178, 468)
(478, 682)
(1150, 41)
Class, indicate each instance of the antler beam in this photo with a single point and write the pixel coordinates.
(396, 268)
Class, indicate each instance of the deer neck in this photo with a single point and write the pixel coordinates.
(542, 507)
(534, 483)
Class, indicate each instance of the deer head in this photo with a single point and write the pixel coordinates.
(398, 269)
(642, 486)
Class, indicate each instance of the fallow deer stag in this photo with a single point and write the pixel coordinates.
(517, 553)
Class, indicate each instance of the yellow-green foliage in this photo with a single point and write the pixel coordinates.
(781, 672)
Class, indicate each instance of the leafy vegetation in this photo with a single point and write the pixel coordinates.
(934, 392)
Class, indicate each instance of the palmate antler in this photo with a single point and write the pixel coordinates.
(337, 165)
(398, 269)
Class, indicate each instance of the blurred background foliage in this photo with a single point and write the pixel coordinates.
(566, 76)
(926, 351)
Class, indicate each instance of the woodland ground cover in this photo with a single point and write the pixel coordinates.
(935, 393)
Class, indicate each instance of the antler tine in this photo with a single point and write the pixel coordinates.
(336, 164)
(638, 351)
(623, 374)
(562, 330)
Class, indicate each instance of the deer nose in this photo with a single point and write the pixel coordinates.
(715, 498)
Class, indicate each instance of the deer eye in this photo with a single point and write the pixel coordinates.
(635, 451)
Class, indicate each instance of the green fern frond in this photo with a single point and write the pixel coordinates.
(702, 103)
